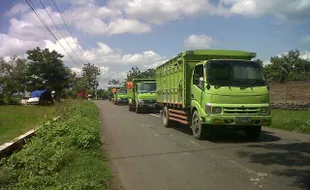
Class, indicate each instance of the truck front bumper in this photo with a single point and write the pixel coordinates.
(147, 106)
(244, 120)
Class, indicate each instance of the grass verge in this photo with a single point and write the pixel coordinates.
(16, 120)
(65, 154)
(297, 121)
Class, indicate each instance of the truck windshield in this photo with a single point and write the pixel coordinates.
(235, 73)
(146, 87)
(123, 91)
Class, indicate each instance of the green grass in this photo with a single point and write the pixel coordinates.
(297, 121)
(65, 154)
(16, 120)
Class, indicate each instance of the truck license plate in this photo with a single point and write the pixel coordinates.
(243, 120)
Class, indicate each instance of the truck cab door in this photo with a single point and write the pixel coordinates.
(197, 85)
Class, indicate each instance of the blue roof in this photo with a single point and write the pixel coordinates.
(36, 93)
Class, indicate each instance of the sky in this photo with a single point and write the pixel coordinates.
(118, 34)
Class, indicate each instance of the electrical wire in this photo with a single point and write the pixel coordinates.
(69, 30)
(30, 4)
(60, 32)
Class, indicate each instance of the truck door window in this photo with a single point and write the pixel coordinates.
(198, 72)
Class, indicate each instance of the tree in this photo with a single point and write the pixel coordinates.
(46, 70)
(260, 62)
(135, 72)
(288, 67)
(90, 72)
(113, 82)
(12, 79)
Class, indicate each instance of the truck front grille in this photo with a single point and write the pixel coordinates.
(241, 110)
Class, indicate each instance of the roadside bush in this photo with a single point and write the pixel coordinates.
(65, 154)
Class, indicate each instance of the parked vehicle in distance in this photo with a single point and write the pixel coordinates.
(142, 95)
(121, 96)
(214, 88)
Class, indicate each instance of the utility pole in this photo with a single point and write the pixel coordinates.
(96, 85)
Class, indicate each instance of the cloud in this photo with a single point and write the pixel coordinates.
(198, 42)
(112, 62)
(305, 39)
(101, 20)
(18, 9)
(293, 10)
(160, 11)
(305, 55)
(13, 46)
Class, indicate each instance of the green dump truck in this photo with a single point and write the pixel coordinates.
(121, 96)
(142, 95)
(214, 88)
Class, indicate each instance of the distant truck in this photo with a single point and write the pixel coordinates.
(142, 95)
(121, 96)
(214, 88)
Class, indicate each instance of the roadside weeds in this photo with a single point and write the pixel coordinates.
(65, 154)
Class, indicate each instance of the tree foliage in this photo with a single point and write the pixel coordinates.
(90, 73)
(45, 70)
(135, 72)
(12, 79)
(113, 82)
(288, 67)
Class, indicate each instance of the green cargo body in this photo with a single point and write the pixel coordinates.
(140, 101)
(179, 98)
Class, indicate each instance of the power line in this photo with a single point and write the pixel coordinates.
(48, 29)
(60, 31)
(69, 31)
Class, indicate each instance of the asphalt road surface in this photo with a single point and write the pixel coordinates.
(146, 156)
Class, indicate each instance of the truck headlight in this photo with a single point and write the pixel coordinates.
(208, 109)
(140, 101)
(216, 110)
(118, 99)
(264, 111)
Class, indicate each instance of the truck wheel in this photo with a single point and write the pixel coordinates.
(253, 132)
(199, 131)
(166, 121)
(129, 107)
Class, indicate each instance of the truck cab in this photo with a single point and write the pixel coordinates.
(230, 93)
(121, 96)
(142, 96)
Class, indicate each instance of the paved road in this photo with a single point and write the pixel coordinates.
(148, 156)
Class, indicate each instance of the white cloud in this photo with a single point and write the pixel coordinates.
(112, 62)
(18, 9)
(103, 21)
(305, 55)
(305, 39)
(161, 10)
(70, 45)
(296, 10)
(198, 42)
(13, 46)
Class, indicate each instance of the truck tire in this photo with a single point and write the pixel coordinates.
(199, 131)
(167, 123)
(129, 107)
(253, 132)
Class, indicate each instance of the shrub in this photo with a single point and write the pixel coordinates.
(60, 146)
